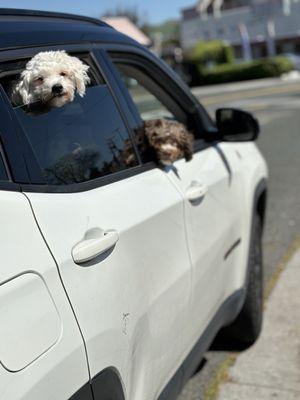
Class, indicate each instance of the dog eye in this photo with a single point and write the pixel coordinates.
(62, 74)
(40, 79)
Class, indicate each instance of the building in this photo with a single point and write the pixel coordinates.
(255, 28)
(124, 25)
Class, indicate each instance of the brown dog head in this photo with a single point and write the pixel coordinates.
(170, 140)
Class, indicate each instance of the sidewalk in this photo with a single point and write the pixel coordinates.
(271, 368)
(233, 87)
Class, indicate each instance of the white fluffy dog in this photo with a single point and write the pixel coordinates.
(52, 79)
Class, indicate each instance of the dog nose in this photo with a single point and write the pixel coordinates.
(57, 89)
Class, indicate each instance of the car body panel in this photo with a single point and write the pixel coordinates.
(213, 225)
(23, 317)
(38, 358)
(131, 303)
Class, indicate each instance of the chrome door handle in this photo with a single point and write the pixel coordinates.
(196, 191)
(90, 248)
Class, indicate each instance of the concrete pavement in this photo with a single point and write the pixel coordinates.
(271, 368)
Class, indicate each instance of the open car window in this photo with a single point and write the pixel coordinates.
(150, 99)
(77, 141)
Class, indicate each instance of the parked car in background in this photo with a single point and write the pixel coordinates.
(116, 277)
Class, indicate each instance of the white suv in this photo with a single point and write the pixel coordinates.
(114, 279)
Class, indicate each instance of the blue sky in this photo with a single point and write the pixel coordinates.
(154, 10)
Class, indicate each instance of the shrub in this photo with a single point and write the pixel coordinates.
(266, 68)
(212, 52)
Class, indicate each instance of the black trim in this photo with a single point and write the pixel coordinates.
(107, 386)
(10, 140)
(125, 99)
(28, 52)
(51, 14)
(107, 70)
(84, 393)
(226, 313)
(89, 185)
(231, 248)
(10, 186)
(201, 144)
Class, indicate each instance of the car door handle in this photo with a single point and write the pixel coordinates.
(88, 249)
(196, 191)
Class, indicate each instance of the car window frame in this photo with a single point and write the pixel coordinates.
(179, 92)
(26, 176)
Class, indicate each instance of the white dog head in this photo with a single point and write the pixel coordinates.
(51, 77)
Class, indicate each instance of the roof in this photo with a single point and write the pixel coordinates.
(124, 25)
(20, 28)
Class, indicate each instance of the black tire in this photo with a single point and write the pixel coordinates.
(245, 329)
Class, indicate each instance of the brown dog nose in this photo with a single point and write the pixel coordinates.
(57, 89)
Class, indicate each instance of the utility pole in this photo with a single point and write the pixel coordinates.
(246, 45)
(271, 45)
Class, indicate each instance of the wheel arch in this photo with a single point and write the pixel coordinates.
(108, 385)
(260, 200)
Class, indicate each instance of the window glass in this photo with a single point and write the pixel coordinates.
(155, 104)
(142, 90)
(78, 141)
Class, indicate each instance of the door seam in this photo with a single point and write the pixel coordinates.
(64, 288)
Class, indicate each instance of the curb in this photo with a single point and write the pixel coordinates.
(222, 374)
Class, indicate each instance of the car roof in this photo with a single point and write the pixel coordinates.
(20, 28)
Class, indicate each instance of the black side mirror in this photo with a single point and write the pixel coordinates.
(235, 125)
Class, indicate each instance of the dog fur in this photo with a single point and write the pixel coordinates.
(169, 139)
(51, 78)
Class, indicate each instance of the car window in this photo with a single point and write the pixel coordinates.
(150, 99)
(78, 141)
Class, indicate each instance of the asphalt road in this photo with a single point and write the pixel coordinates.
(277, 106)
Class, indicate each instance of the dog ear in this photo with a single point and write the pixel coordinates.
(80, 74)
(187, 144)
(21, 93)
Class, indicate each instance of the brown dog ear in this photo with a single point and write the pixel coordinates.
(158, 122)
(187, 143)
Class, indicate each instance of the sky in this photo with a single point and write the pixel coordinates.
(155, 11)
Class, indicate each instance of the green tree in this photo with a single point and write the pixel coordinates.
(214, 52)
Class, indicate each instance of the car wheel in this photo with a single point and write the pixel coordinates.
(246, 328)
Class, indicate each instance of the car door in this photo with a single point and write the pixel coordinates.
(41, 348)
(116, 230)
(213, 228)
(205, 184)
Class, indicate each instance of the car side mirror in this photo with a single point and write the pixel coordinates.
(236, 125)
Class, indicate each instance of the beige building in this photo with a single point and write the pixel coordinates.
(253, 27)
(124, 25)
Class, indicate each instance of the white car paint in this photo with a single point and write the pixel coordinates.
(141, 305)
(33, 362)
(29, 318)
(213, 225)
(132, 304)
